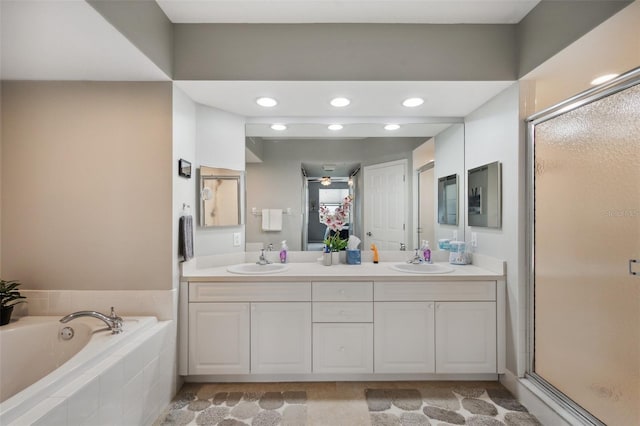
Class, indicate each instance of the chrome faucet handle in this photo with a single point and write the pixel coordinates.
(417, 259)
(116, 327)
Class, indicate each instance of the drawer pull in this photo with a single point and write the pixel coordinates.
(341, 313)
(342, 348)
(341, 291)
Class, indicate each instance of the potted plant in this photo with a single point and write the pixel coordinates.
(9, 297)
(335, 222)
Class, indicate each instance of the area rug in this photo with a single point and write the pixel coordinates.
(238, 409)
(446, 406)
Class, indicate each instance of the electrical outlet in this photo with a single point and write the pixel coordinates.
(455, 235)
(237, 239)
(474, 239)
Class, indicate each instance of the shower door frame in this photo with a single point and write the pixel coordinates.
(620, 83)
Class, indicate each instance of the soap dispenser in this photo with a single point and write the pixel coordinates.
(283, 252)
(426, 251)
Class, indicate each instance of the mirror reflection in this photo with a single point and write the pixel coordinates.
(448, 200)
(220, 197)
(485, 195)
(285, 172)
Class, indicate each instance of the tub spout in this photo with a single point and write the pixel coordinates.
(113, 321)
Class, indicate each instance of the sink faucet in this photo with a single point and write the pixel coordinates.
(113, 321)
(262, 260)
(416, 260)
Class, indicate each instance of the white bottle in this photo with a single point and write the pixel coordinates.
(284, 252)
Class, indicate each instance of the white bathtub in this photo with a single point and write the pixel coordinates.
(94, 378)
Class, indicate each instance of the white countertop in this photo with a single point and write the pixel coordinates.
(367, 271)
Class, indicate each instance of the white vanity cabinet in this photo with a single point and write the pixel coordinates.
(281, 337)
(436, 327)
(219, 338)
(342, 327)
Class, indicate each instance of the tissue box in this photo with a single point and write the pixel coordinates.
(354, 257)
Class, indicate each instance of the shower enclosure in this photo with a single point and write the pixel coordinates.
(584, 250)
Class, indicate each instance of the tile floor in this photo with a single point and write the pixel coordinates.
(346, 404)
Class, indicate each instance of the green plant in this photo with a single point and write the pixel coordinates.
(335, 243)
(9, 294)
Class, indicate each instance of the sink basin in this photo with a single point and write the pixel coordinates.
(255, 269)
(422, 268)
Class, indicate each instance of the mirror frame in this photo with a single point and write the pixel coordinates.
(476, 204)
(225, 175)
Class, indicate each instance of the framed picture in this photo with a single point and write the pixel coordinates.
(184, 168)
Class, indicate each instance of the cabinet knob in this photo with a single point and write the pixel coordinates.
(342, 348)
(430, 305)
(341, 291)
(341, 312)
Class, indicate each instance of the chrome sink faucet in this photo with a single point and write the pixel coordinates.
(262, 260)
(417, 259)
(113, 321)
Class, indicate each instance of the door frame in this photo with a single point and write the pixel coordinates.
(405, 163)
(620, 83)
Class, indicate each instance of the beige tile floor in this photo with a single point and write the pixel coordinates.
(336, 403)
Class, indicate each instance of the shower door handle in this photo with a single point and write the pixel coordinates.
(631, 262)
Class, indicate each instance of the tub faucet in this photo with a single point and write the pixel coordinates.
(113, 321)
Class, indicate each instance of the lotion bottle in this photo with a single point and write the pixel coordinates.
(283, 252)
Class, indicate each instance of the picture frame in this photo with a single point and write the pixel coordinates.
(184, 168)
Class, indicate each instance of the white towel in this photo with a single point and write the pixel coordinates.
(265, 219)
(275, 220)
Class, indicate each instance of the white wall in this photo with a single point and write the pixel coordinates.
(184, 147)
(494, 133)
(220, 143)
(449, 154)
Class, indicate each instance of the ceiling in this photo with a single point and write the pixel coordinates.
(348, 11)
(70, 40)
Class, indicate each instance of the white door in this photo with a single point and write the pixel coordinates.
(281, 337)
(385, 205)
(466, 337)
(218, 338)
(343, 348)
(404, 337)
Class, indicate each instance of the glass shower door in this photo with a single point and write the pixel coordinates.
(586, 236)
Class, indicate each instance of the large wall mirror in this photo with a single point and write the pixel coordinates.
(284, 171)
(220, 202)
(484, 204)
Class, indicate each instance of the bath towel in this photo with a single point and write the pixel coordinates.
(185, 237)
(265, 220)
(275, 219)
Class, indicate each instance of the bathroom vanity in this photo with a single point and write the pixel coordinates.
(343, 322)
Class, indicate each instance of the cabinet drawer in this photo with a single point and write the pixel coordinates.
(392, 291)
(343, 348)
(250, 292)
(342, 312)
(342, 291)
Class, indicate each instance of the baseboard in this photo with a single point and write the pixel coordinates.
(547, 411)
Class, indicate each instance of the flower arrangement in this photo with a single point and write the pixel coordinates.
(335, 222)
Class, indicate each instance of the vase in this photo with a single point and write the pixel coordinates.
(335, 257)
(5, 314)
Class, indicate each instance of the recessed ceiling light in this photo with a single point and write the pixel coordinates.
(335, 127)
(412, 102)
(278, 127)
(603, 79)
(392, 127)
(340, 102)
(266, 102)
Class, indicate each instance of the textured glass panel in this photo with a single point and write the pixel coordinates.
(587, 227)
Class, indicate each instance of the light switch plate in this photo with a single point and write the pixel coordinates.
(455, 235)
(237, 239)
(474, 239)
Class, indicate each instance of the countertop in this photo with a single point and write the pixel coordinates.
(367, 271)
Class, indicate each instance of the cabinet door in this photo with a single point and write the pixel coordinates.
(281, 337)
(218, 338)
(466, 337)
(404, 337)
(343, 348)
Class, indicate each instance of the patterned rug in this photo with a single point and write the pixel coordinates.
(446, 406)
(238, 409)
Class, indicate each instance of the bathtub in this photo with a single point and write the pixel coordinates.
(93, 378)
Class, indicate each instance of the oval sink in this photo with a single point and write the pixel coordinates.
(256, 269)
(422, 268)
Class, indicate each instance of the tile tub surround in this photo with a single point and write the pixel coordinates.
(357, 403)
